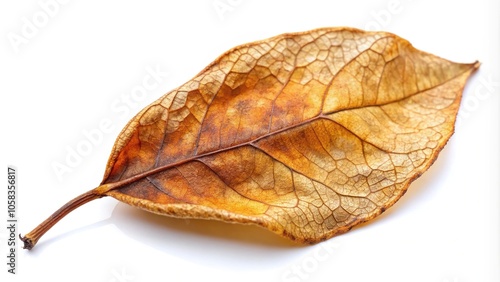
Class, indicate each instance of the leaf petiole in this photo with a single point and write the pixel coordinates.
(32, 237)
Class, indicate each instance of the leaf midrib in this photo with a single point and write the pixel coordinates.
(124, 182)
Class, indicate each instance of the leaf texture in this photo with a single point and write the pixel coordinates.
(306, 134)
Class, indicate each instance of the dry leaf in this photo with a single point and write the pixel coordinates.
(306, 134)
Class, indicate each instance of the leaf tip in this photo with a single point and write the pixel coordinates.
(476, 65)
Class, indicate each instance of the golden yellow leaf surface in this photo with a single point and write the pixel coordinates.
(306, 134)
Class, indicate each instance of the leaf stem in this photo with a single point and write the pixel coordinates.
(32, 237)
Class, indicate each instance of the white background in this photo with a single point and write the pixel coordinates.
(76, 69)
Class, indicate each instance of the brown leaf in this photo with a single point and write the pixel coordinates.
(306, 134)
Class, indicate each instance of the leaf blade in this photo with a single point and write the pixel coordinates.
(304, 134)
